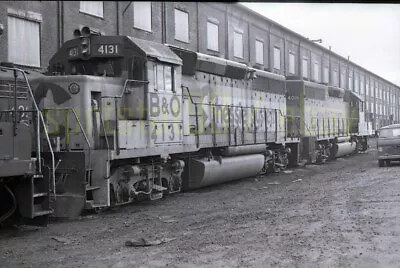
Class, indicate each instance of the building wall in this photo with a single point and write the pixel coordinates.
(42, 12)
(58, 20)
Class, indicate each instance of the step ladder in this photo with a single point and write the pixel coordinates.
(34, 198)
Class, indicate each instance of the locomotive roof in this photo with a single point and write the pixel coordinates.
(314, 85)
(156, 50)
(269, 75)
(391, 126)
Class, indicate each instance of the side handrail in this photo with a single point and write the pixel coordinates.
(39, 119)
(79, 123)
(116, 97)
(121, 94)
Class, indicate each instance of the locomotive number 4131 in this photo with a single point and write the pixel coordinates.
(108, 49)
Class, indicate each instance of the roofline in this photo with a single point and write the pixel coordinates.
(240, 5)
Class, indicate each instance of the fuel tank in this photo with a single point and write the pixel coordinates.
(343, 139)
(246, 149)
(203, 172)
(345, 148)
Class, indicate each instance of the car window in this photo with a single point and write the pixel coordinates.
(389, 133)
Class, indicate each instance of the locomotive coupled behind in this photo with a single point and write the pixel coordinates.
(130, 119)
(24, 191)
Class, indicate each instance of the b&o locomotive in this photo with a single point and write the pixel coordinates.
(130, 119)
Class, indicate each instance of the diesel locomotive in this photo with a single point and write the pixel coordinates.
(24, 191)
(129, 119)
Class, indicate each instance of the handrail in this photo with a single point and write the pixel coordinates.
(40, 119)
(124, 88)
(80, 126)
(77, 120)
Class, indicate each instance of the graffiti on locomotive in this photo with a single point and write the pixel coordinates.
(218, 111)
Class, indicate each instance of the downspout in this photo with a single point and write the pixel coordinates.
(330, 82)
(117, 17)
(198, 27)
(300, 61)
(284, 55)
(269, 49)
(163, 23)
(58, 24)
(61, 23)
(227, 31)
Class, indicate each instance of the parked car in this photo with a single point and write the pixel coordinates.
(388, 144)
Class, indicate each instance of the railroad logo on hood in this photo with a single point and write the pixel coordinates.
(60, 95)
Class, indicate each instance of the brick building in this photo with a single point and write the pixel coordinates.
(34, 30)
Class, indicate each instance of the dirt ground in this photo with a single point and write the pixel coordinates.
(344, 213)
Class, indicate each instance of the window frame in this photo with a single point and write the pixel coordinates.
(92, 14)
(214, 23)
(188, 25)
(9, 15)
(304, 60)
(275, 59)
(237, 32)
(262, 51)
(316, 71)
(151, 17)
(294, 63)
(325, 78)
(350, 82)
(335, 78)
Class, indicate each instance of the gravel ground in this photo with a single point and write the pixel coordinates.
(344, 213)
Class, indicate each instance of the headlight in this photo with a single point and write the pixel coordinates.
(380, 149)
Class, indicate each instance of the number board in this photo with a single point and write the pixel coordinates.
(73, 52)
(107, 49)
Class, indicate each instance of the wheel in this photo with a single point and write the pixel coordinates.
(381, 163)
(388, 163)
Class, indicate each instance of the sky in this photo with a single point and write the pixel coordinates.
(368, 33)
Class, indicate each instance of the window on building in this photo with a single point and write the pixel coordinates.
(142, 15)
(181, 25)
(316, 71)
(356, 84)
(326, 75)
(367, 89)
(92, 7)
(362, 90)
(212, 36)
(238, 44)
(23, 42)
(305, 67)
(292, 63)
(350, 83)
(335, 78)
(277, 58)
(342, 80)
(259, 52)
